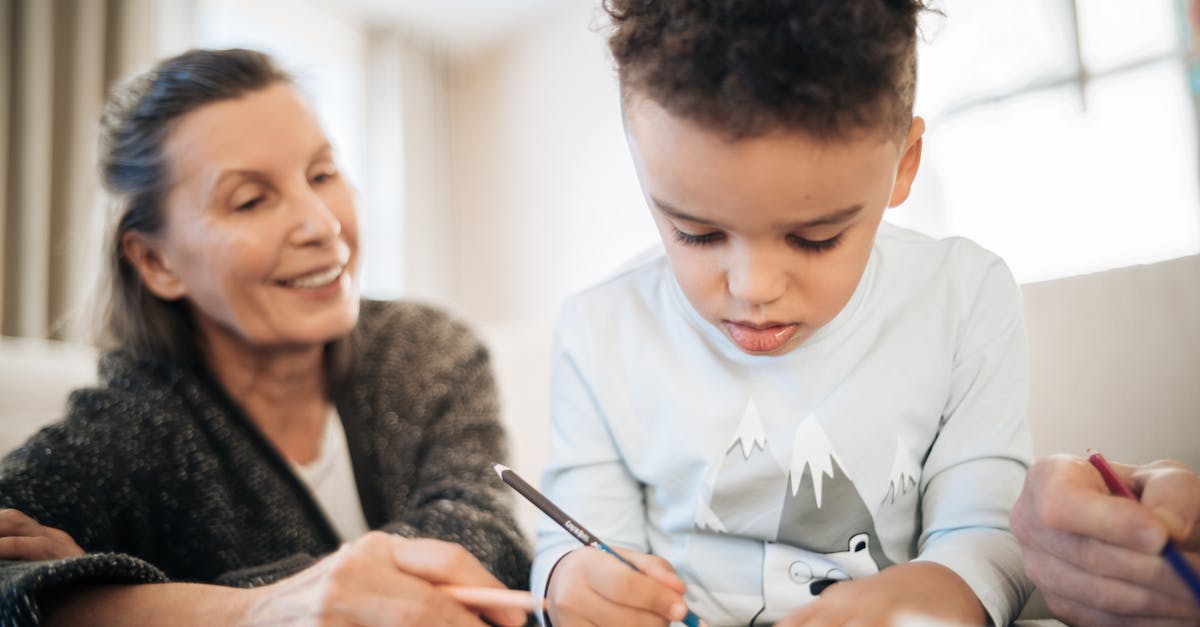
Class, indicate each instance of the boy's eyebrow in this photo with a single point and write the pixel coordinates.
(834, 217)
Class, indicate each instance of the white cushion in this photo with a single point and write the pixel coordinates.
(1115, 359)
(35, 378)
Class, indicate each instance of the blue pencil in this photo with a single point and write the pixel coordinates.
(540, 501)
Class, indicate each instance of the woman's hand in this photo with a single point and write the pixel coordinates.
(380, 579)
(1097, 557)
(589, 587)
(23, 538)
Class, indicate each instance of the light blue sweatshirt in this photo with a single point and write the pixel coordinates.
(896, 432)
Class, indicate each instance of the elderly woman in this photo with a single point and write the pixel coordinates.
(254, 413)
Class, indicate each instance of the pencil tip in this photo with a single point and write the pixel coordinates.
(500, 468)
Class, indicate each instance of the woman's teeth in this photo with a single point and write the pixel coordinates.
(319, 279)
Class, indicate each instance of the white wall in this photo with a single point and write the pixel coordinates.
(545, 203)
(543, 190)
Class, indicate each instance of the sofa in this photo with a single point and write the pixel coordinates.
(1114, 357)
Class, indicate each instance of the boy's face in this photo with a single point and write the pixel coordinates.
(767, 236)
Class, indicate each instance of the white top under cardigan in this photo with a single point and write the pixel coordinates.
(330, 478)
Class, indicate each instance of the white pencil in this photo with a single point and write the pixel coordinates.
(480, 597)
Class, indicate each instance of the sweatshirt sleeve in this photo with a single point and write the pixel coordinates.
(585, 475)
(976, 466)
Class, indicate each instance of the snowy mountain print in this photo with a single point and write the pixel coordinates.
(906, 471)
(813, 451)
(743, 483)
(750, 433)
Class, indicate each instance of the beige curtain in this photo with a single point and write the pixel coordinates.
(58, 58)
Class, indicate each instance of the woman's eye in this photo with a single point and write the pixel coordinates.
(687, 239)
(816, 246)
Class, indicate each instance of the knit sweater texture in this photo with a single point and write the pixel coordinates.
(160, 477)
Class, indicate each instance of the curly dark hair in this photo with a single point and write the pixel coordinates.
(743, 68)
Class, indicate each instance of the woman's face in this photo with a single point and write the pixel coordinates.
(261, 234)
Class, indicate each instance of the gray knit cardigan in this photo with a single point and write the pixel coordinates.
(159, 476)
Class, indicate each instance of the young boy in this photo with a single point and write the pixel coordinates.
(804, 415)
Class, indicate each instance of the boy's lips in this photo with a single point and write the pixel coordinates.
(760, 338)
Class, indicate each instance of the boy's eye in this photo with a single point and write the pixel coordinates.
(249, 204)
(687, 239)
(324, 175)
(816, 246)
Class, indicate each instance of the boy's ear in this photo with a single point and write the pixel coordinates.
(910, 160)
(152, 265)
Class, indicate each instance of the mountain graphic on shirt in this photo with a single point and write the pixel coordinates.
(822, 508)
(906, 471)
(743, 485)
(750, 433)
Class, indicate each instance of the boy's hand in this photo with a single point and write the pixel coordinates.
(589, 587)
(23, 538)
(920, 589)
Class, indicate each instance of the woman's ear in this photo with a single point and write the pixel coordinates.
(151, 263)
(910, 161)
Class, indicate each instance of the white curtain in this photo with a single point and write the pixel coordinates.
(407, 183)
(58, 58)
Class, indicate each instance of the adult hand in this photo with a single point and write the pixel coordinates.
(23, 538)
(380, 579)
(589, 587)
(1097, 557)
(919, 589)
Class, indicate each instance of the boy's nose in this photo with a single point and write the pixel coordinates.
(756, 278)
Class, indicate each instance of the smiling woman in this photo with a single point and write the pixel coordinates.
(254, 413)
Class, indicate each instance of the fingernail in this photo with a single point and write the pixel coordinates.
(677, 612)
(1150, 539)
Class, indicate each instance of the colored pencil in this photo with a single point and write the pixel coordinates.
(556, 514)
(480, 597)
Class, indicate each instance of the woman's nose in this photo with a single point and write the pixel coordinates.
(316, 223)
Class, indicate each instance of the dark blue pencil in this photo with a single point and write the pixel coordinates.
(1172, 554)
(540, 501)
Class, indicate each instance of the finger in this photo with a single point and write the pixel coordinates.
(435, 608)
(583, 605)
(26, 548)
(14, 522)
(440, 562)
(1172, 491)
(656, 568)
(1150, 592)
(624, 586)
(1069, 495)
(1075, 613)
(1088, 555)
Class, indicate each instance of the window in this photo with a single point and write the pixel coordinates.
(1061, 134)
